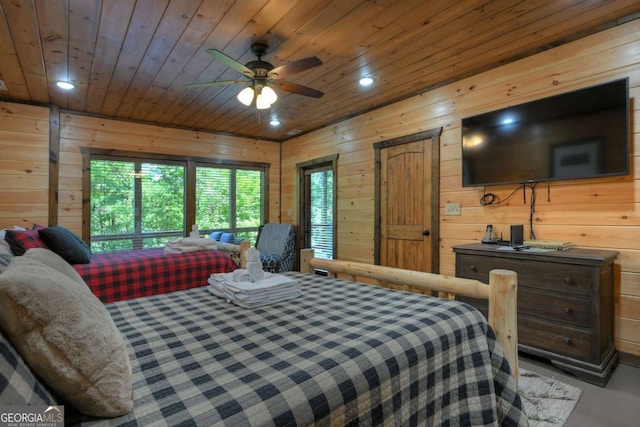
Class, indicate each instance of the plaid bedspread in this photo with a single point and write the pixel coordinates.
(114, 276)
(341, 354)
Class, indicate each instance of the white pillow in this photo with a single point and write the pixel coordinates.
(65, 334)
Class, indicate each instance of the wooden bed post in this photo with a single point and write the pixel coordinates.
(244, 245)
(503, 303)
(305, 258)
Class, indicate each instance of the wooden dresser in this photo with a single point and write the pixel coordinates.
(565, 303)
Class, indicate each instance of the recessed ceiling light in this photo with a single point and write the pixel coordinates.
(65, 85)
(365, 81)
(275, 122)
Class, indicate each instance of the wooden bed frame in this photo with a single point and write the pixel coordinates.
(501, 291)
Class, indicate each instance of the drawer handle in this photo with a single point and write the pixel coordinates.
(473, 268)
(567, 280)
(567, 310)
(567, 340)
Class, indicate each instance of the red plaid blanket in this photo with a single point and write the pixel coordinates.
(114, 276)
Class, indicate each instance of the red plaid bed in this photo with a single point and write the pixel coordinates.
(115, 276)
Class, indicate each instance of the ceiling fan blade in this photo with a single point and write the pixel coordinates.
(218, 83)
(295, 67)
(298, 89)
(230, 62)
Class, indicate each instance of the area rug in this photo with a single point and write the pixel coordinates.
(547, 402)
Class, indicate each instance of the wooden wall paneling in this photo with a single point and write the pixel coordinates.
(628, 306)
(630, 259)
(629, 285)
(24, 167)
(630, 329)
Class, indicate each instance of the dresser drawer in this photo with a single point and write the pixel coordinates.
(559, 277)
(550, 307)
(569, 309)
(564, 340)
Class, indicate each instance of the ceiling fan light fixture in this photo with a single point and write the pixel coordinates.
(266, 97)
(246, 96)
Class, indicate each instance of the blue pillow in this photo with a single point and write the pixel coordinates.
(228, 238)
(216, 235)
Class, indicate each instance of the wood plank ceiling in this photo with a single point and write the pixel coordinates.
(130, 59)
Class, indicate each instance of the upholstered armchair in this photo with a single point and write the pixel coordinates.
(276, 243)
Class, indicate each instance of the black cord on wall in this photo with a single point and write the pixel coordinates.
(532, 211)
(492, 199)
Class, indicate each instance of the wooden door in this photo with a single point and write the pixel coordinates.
(408, 203)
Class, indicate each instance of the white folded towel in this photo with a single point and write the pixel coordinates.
(270, 282)
(241, 275)
(273, 288)
(217, 289)
(189, 244)
(180, 249)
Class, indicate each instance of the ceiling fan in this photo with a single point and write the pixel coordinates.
(261, 75)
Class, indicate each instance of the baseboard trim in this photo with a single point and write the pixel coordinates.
(630, 359)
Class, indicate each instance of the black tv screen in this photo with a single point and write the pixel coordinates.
(579, 134)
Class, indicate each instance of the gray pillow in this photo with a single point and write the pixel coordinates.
(65, 334)
(66, 244)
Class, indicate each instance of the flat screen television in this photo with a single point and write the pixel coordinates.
(579, 134)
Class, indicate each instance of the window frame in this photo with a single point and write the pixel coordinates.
(191, 163)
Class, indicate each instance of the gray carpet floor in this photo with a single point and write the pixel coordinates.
(617, 404)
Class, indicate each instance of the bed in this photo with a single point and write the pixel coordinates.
(118, 275)
(344, 353)
(115, 276)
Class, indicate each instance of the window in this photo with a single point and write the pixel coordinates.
(140, 203)
(230, 199)
(321, 212)
(135, 204)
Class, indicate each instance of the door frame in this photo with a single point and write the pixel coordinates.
(434, 227)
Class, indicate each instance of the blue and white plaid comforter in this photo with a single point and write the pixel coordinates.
(341, 354)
